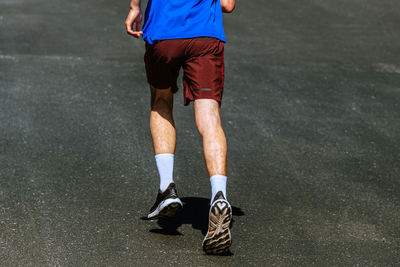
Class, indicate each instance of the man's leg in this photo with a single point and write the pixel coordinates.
(163, 135)
(208, 121)
(162, 125)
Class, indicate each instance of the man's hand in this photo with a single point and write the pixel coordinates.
(227, 5)
(134, 17)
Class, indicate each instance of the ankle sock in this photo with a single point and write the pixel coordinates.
(165, 166)
(218, 183)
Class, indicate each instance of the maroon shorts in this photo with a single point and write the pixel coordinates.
(202, 60)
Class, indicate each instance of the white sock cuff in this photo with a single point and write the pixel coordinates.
(218, 183)
(165, 166)
(164, 155)
(218, 179)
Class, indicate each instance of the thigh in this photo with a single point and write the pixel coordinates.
(204, 70)
(163, 61)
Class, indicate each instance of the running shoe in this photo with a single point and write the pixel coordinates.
(218, 238)
(167, 204)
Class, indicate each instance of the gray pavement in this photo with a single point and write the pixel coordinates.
(311, 111)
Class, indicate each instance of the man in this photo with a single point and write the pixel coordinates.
(187, 34)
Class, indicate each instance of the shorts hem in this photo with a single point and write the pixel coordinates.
(188, 100)
(174, 89)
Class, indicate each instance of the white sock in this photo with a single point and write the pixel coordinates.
(165, 166)
(218, 183)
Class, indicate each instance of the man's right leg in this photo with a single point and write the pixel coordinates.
(218, 238)
(163, 135)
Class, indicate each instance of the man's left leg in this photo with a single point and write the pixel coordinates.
(208, 122)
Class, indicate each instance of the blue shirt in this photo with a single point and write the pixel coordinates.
(174, 19)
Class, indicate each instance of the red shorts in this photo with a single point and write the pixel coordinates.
(202, 60)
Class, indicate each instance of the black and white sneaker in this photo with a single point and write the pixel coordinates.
(167, 204)
(218, 238)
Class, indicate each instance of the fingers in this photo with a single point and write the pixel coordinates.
(136, 33)
(128, 25)
(134, 17)
(138, 26)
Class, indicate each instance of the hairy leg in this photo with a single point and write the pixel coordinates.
(208, 121)
(162, 125)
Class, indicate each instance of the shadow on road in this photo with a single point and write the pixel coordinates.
(195, 212)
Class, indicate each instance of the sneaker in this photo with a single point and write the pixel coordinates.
(218, 238)
(167, 204)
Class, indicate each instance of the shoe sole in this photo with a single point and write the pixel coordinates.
(167, 208)
(218, 238)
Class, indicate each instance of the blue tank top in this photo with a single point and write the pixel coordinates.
(174, 19)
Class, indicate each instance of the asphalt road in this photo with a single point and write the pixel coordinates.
(311, 112)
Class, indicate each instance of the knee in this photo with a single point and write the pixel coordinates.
(161, 103)
(161, 99)
(207, 116)
(208, 122)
